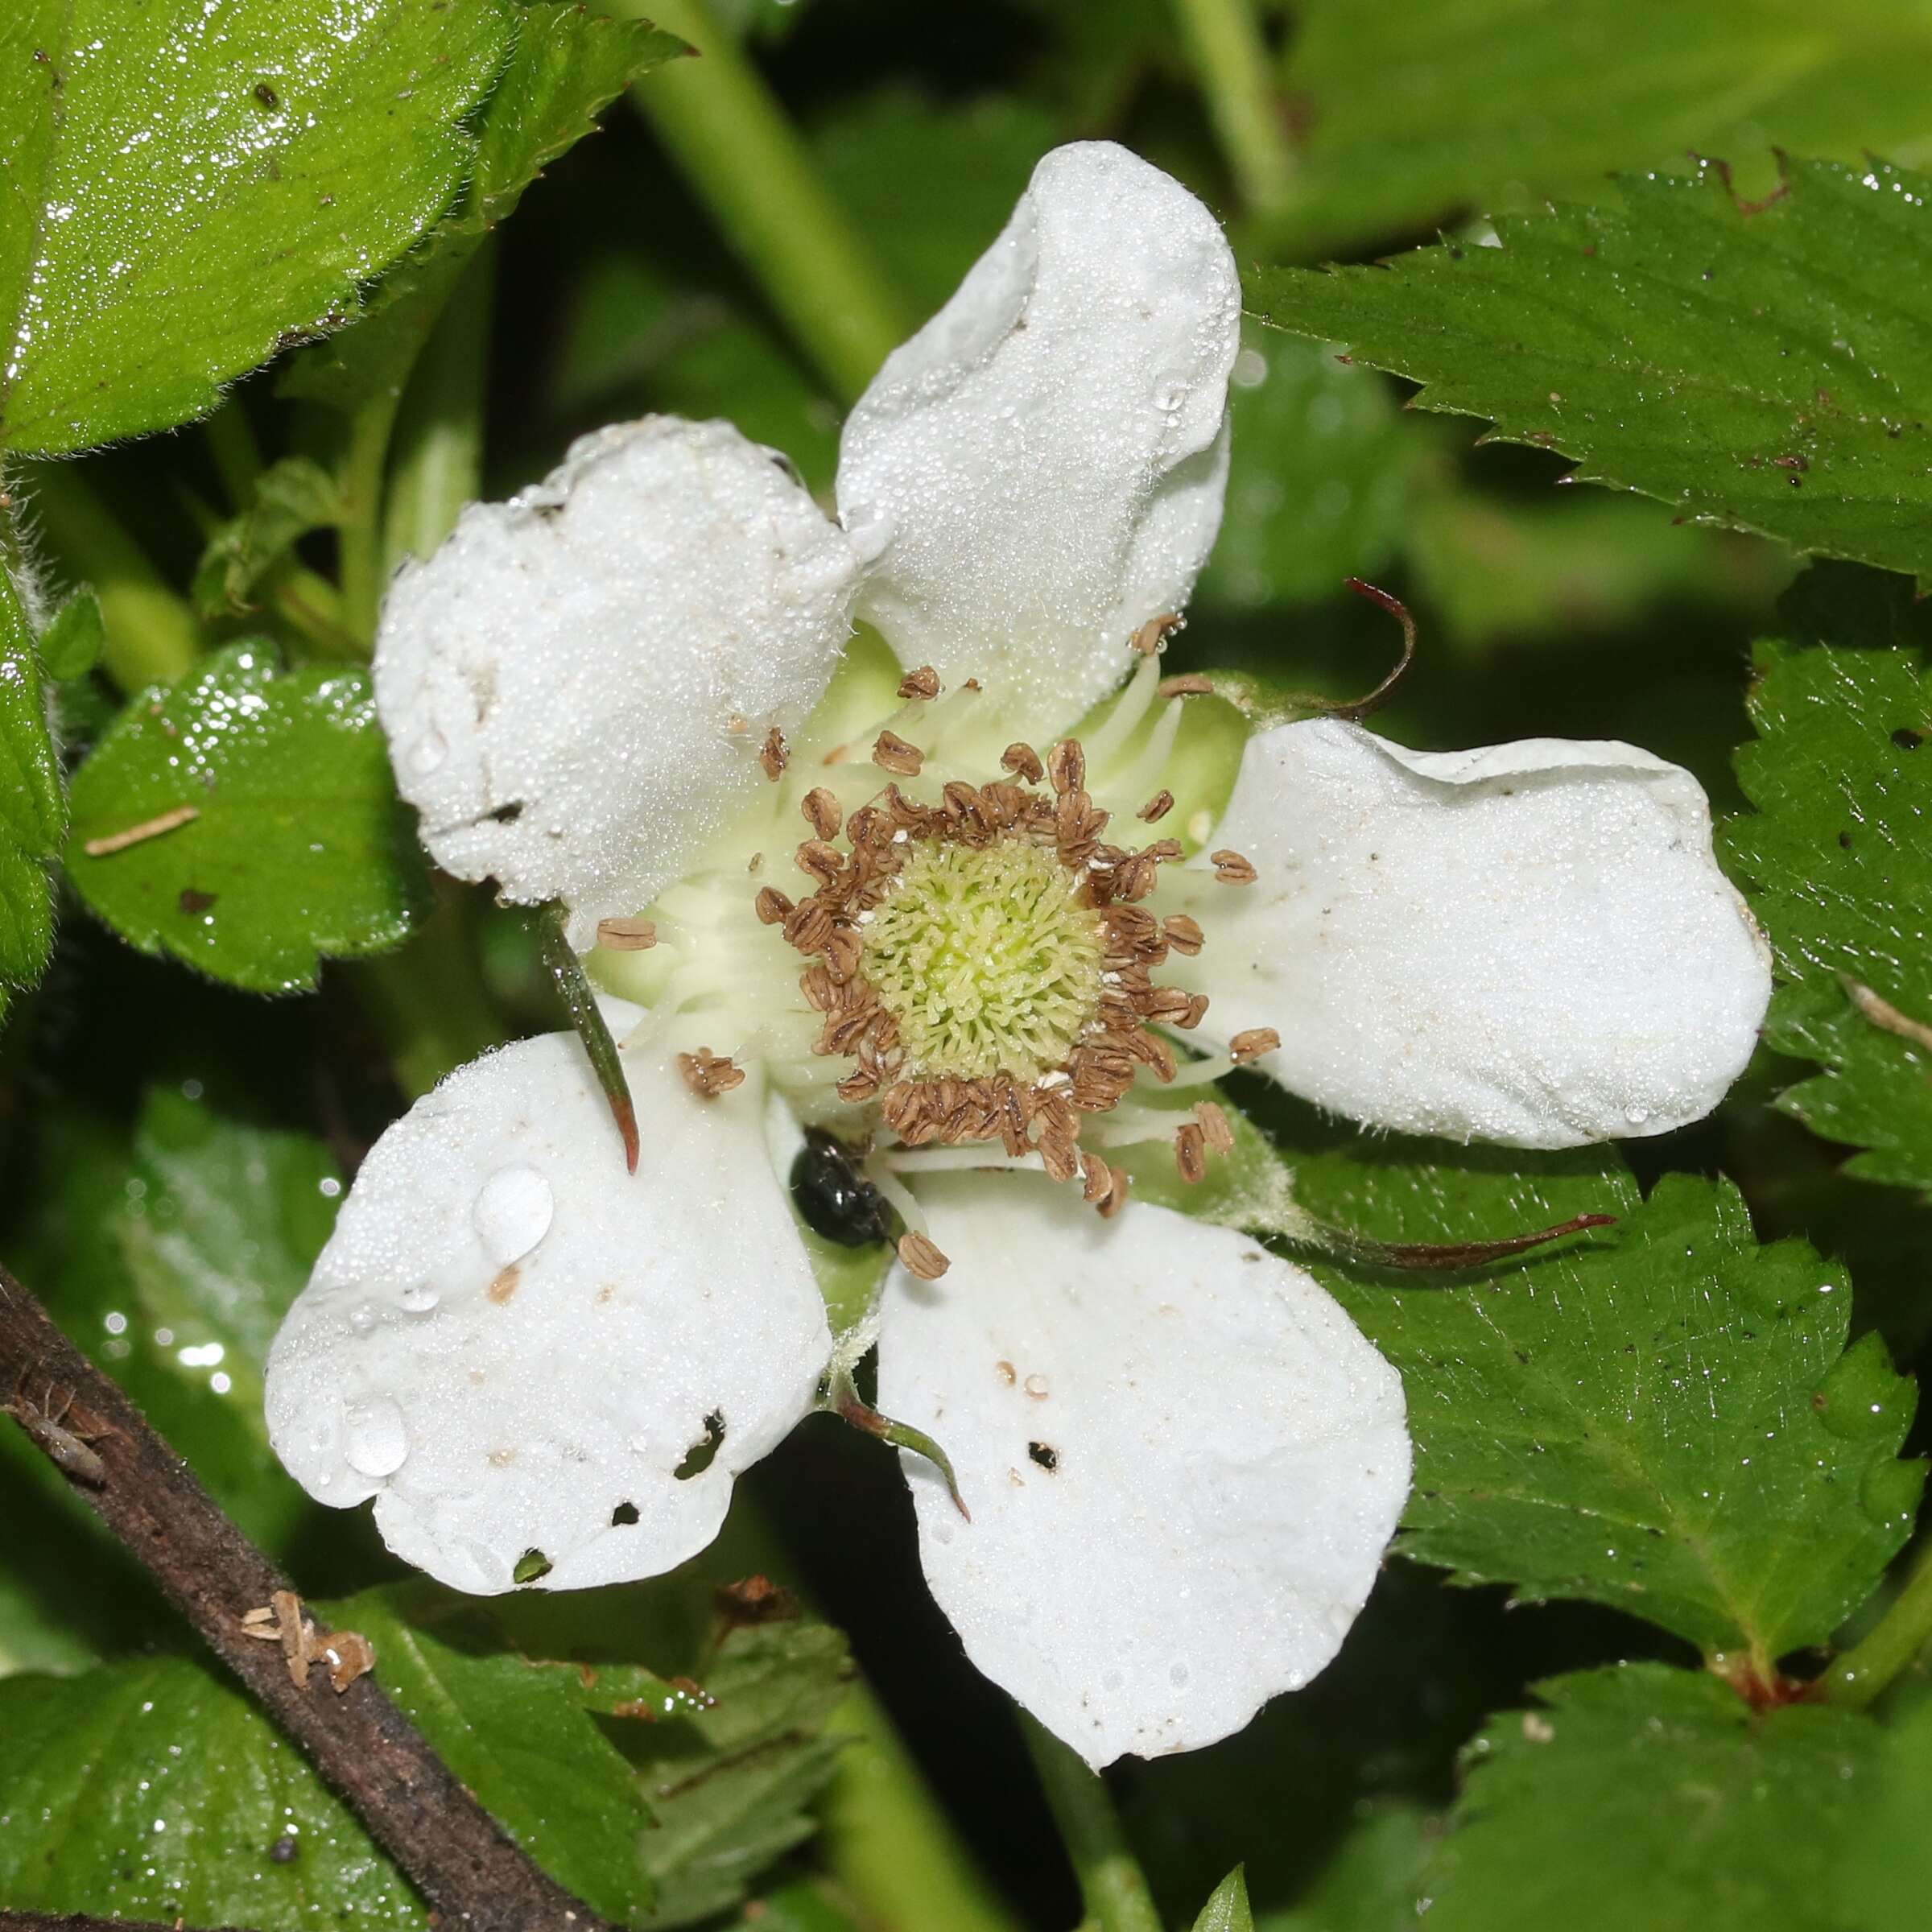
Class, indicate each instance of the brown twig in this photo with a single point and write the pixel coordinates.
(454, 1852)
(79, 1922)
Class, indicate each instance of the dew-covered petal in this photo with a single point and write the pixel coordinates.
(1040, 469)
(514, 1346)
(577, 685)
(1529, 942)
(1182, 1460)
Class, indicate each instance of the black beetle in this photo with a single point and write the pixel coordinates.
(834, 1199)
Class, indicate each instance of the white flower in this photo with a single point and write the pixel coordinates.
(1181, 1460)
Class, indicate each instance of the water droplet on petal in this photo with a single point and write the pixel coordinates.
(418, 1298)
(1637, 1116)
(870, 530)
(377, 1443)
(362, 1317)
(513, 1213)
(427, 753)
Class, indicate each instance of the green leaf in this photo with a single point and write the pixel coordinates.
(1227, 1911)
(728, 1772)
(1371, 1882)
(292, 497)
(517, 1737)
(1841, 777)
(299, 851)
(154, 1790)
(145, 261)
(171, 1258)
(1324, 473)
(1647, 1796)
(1413, 115)
(568, 65)
(1663, 1418)
(33, 813)
(72, 644)
(1765, 368)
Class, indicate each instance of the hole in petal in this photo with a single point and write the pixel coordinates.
(623, 1515)
(531, 1567)
(703, 1452)
(1048, 1459)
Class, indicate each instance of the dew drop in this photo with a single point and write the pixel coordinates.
(1168, 395)
(362, 1317)
(513, 1213)
(427, 753)
(418, 1298)
(871, 530)
(377, 1443)
(1637, 1116)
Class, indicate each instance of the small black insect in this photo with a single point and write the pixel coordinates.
(833, 1198)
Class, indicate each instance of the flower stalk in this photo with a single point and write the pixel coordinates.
(1113, 1885)
(1231, 60)
(1894, 1644)
(747, 163)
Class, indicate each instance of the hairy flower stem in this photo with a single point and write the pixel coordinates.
(361, 473)
(1892, 1646)
(1237, 74)
(437, 462)
(1112, 1883)
(151, 634)
(746, 163)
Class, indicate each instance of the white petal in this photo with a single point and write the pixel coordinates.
(509, 1341)
(1040, 469)
(576, 685)
(1230, 1459)
(1529, 943)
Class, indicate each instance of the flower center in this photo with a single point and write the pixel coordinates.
(987, 960)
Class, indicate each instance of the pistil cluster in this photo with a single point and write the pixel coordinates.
(987, 962)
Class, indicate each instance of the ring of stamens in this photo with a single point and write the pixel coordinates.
(986, 961)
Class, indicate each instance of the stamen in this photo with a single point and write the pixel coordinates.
(1252, 1044)
(891, 753)
(1183, 933)
(1066, 767)
(822, 812)
(1024, 762)
(1129, 707)
(1231, 869)
(627, 936)
(919, 1256)
(772, 906)
(924, 683)
(1156, 808)
(708, 1075)
(1217, 1130)
(1202, 1073)
(1147, 768)
(1191, 1153)
(773, 754)
(1190, 685)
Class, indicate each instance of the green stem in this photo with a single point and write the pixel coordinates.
(438, 451)
(428, 1002)
(746, 161)
(237, 456)
(1232, 61)
(365, 461)
(1112, 1883)
(151, 633)
(1892, 1645)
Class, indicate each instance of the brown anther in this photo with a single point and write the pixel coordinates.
(349, 1655)
(1231, 869)
(707, 1074)
(1217, 1130)
(1191, 1153)
(1165, 1003)
(1253, 1044)
(1154, 1051)
(626, 935)
(1024, 762)
(1191, 685)
(809, 926)
(859, 1085)
(1099, 1179)
(1116, 1200)
(924, 683)
(1197, 1011)
(818, 860)
(1061, 1154)
(1066, 766)
(1162, 851)
(1157, 807)
(816, 983)
(917, 1255)
(842, 952)
(892, 753)
(822, 812)
(1184, 934)
(1136, 877)
(772, 753)
(772, 906)
(1153, 634)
